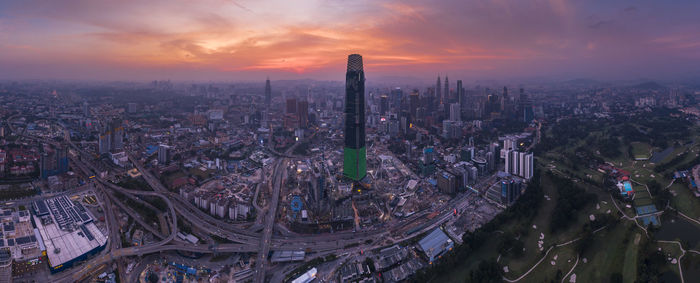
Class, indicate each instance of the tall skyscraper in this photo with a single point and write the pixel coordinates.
(455, 112)
(438, 91)
(268, 92)
(355, 154)
(112, 137)
(525, 110)
(447, 98)
(505, 101)
(303, 113)
(413, 102)
(383, 104)
(292, 105)
(396, 97)
(461, 97)
(86, 109)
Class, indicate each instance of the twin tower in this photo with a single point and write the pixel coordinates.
(355, 152)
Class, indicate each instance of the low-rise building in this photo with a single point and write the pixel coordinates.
(435, 245)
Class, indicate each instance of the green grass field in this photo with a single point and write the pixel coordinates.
(684, 200)
(641, 150)
(519, 265)
(619, 256)
(615, 249)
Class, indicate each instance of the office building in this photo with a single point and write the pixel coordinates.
(396, 97)
(54, 161)
(112, 137)
(268, 93)
(448, 182)
(447, 98)
(292, 106)
(455, 112)
(510, 191)
(104, 142)
(526, 112)
(438, 91)
(414, 103)
(355, 155)
(86, 109)
(451, 129)
(383, 104)
(303, 113)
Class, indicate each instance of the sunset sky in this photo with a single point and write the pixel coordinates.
(288, 39)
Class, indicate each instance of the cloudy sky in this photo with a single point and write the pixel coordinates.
(287, 39)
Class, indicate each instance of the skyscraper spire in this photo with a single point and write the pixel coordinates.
(355, 154)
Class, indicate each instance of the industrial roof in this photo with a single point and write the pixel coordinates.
(306, 277)
(63, 246)
(434, 243)
(282, 256)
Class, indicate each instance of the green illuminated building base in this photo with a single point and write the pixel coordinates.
(355, 163)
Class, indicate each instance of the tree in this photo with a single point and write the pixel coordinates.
(153, 278)
(487, 272)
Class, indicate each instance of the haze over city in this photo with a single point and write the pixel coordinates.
(248, 40)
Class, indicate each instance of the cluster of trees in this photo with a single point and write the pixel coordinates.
(136, 184)
(523, 211)
(509, 245)
(609, 147)
(650, 262)
(571, 199)
(661, 196)
(586, 233)
(397, 147)
(657, 128)
(302, 149)
(565, 132)
(16, 192)
(487, 272)
(145, 212)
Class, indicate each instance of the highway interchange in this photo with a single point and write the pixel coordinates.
(243, 240)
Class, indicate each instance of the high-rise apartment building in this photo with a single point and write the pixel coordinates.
(519, 163)
(163, 154)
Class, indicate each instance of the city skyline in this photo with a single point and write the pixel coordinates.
(245, 40)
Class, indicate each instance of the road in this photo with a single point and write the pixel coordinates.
(277, 182)
(244, 240)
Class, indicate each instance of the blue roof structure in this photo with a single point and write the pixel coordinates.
(151, 149)
(646, 209)
(653, 219)
(435, 244)
(296, 204)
